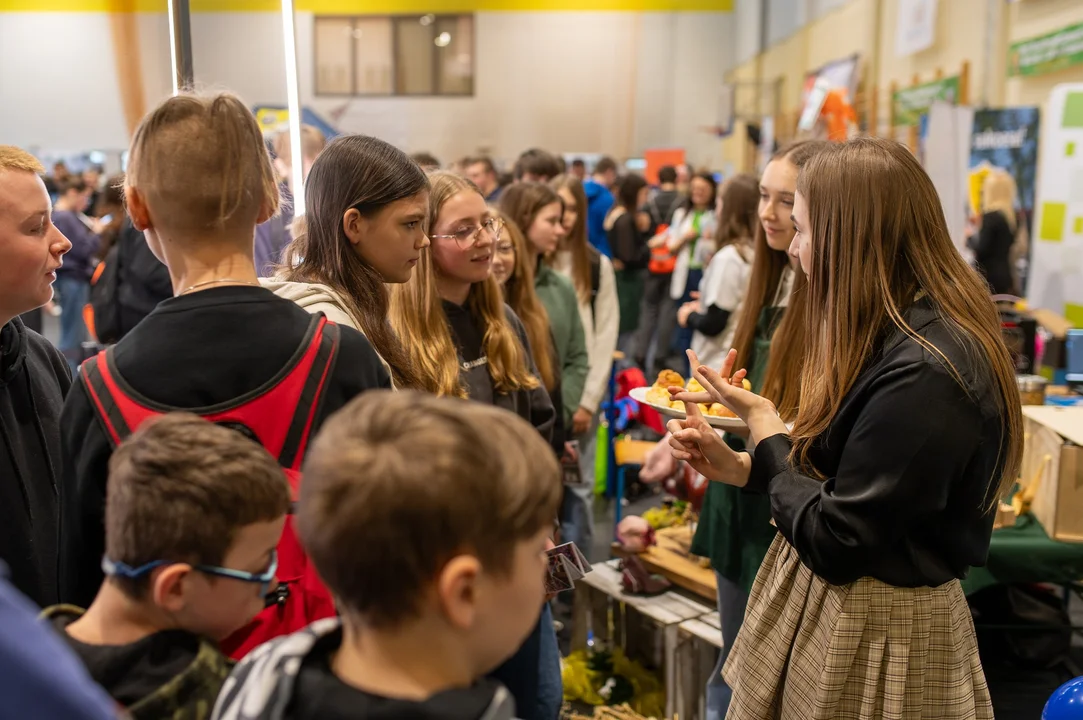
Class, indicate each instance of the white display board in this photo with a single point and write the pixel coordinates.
(1057, 255)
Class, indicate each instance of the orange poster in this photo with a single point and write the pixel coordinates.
(659, 158)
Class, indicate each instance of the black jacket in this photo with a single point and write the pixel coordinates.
(535, 405)
(193, 351)
(34, 378)
(992, 246)
(911, 459)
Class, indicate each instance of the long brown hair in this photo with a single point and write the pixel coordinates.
(522, 202)
(354, 171)
(780, 384)
(879, 239)
(519, 293)
(417, 315)
(575, 242)
(737, 223)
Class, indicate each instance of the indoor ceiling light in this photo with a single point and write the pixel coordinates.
(443, 39)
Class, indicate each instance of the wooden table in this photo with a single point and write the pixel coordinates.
(600, 604)
(669, 558)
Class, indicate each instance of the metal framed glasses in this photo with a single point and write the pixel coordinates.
(468, 237)
(265, 578)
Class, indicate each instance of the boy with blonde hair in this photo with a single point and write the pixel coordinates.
(33, 379)
(199, 181)
(429, 520)
(193, 514)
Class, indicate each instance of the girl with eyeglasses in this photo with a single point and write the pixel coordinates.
(460, 336)
(465, 341)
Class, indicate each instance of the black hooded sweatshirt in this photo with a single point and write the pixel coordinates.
(34, 378)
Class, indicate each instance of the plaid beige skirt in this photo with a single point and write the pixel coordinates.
(809, 650)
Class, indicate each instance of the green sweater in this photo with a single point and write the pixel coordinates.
(558, 296)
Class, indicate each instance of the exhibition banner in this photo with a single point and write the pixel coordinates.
(1047, 53)
(1057, 254)
(909, 104)
(1006, 140)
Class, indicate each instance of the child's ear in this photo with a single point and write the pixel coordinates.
(137, 208)
(168, 587)
(355, 225)
(458, 590)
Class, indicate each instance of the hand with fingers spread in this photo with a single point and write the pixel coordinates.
(698, 444)
(758, 412)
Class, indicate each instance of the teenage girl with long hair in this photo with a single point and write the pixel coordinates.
(713, 315)
(514, 273)
(365, 228)
(630, 252)
(734, 529)
(691, 238)
(596, 289)
(466, 342)
(536, 209)
(909, 432)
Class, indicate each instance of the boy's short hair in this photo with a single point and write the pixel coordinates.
(537, 162)
(667, 174)
(181, 487)
(19, 160)
(201, 162)
(605, 164)
(426, 160)
(398, 483)
(484, 161)
(76, 184)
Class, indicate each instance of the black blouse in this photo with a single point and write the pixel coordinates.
(911, 460)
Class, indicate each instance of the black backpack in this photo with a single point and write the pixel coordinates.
(103, 297)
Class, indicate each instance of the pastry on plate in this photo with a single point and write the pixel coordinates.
(693, 385)
(720, 410)
(658, 395)
(669, 377)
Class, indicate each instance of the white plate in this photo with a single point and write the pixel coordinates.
(639, 394)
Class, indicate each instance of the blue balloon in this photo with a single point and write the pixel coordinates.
(1066, 703)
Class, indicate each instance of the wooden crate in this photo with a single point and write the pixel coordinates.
(1053, 459)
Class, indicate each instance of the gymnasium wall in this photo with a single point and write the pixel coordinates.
(615, 81)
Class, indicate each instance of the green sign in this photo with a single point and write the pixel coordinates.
(1047, 53)
(909, 104)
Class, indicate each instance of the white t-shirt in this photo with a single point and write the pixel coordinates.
(724, 284)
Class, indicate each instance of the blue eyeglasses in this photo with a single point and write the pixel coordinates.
(265, 578)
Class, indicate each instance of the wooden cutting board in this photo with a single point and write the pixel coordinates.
(670, 559)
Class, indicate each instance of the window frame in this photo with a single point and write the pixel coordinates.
(394, 20)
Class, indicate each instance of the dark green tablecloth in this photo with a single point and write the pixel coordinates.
(1024, 553)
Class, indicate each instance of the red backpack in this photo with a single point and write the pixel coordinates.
(279, 416)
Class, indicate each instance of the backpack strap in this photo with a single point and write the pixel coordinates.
(299, 387)
(311, 399)
(103, 392)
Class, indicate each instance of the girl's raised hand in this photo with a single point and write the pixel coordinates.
(697, 443)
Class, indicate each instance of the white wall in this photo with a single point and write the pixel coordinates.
(748, 27)
(58, 82)
(616, 83)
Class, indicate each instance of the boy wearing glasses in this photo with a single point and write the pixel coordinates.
(193, 514)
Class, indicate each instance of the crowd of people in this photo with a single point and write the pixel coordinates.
(397, 566)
